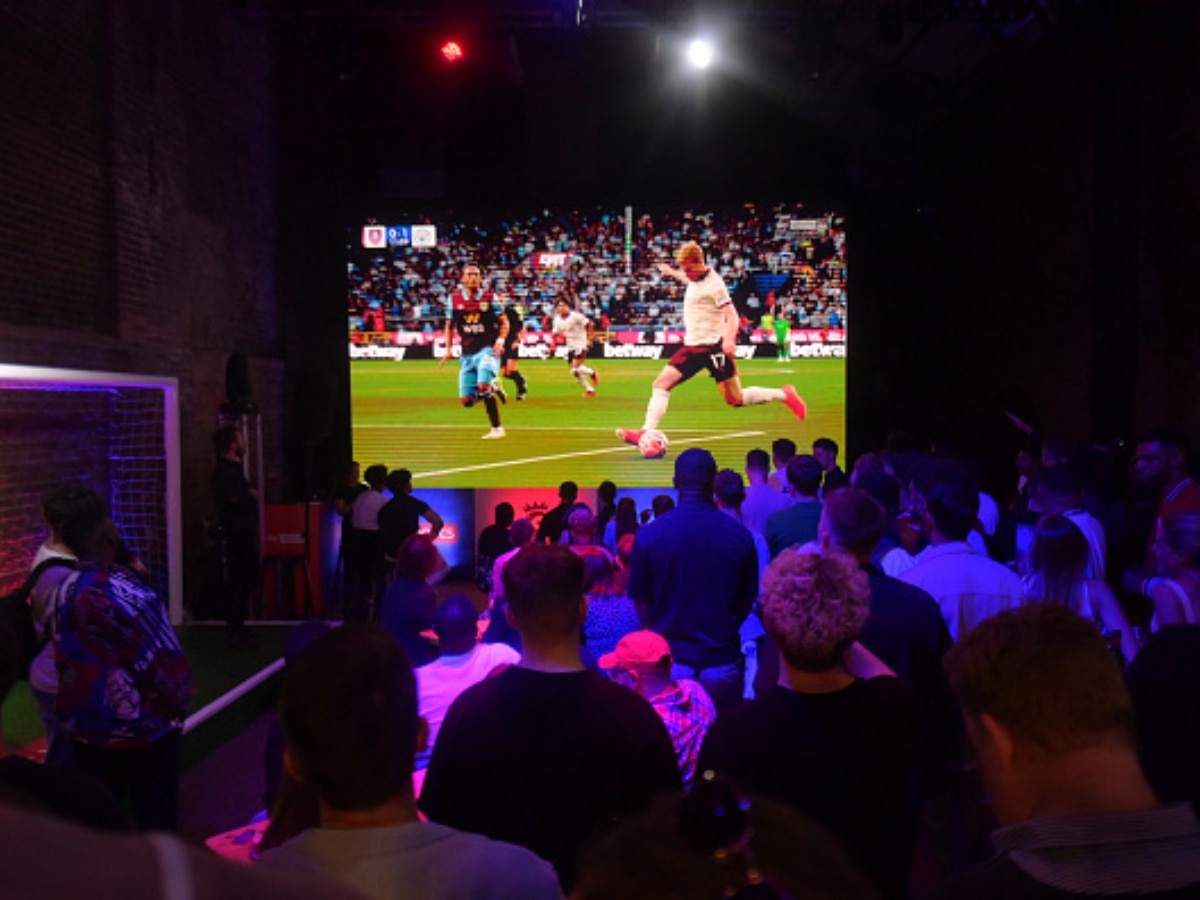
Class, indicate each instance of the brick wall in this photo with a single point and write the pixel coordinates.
(138, 210)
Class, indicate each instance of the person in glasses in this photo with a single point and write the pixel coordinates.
(837, 737)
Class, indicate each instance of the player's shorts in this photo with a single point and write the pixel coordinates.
(693, 360)
(478, 368)
(576, 356)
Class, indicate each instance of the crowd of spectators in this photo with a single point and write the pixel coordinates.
(406, 288)
(802, 695)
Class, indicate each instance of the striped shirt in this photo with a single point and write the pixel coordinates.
(1128, 852)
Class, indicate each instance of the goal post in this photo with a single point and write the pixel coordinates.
(117, 433)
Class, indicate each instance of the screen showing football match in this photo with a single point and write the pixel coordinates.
(526, 348)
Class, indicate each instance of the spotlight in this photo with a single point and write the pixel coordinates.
(452, 52)
(700, 53)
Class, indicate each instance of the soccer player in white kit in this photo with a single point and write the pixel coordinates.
(710, 335)
(574, 329)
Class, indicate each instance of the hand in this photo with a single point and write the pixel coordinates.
(728, 346)
(909, 531)
(442, 361)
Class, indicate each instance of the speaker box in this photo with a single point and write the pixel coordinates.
(238, 391)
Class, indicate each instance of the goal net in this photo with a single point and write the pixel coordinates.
(115, 433)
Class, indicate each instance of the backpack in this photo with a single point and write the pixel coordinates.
(17, 615)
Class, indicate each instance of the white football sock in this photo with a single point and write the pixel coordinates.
(581, 378)
(752, 396)
(657, 408)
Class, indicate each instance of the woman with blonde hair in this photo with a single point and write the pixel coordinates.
(1176, 594)
(1058, 567)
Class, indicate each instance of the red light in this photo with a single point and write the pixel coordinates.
(452, 51)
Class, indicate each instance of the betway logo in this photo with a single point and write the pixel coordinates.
(632, 351)
(370, 351)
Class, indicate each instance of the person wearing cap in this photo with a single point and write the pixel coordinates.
(642, 661)
(694, 578)
(462, 662)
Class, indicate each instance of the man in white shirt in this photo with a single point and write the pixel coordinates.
(368, 552)
(967, 585)
(575, 330)
(462, 662)
(761, 498)
(710, 335)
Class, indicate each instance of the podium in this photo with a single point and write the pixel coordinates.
(292, 577)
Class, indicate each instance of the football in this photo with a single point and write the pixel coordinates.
(653, 444)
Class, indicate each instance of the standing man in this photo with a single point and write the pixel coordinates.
(783, 330)
(825, 452)
(573, 328)
(762, 500)
(547, 754)
(236, 506)
(513, 312)
(477, 317)
(400, 517)
(797, 524)
(710, 337)
(123, 681)
(694, 577)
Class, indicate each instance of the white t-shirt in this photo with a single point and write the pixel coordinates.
(967, 586)
(574, 328)
(365, 516)
(45, 598)
(440, 682)
(703, 302)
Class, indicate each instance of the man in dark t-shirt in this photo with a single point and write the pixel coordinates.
(830, 739)
(235, 503)
(400, 518)
(512, 343)
(568, 753)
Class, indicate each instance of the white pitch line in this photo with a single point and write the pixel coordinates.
(523, 427)
(532, 459)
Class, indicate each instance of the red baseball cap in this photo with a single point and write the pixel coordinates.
(641, 651)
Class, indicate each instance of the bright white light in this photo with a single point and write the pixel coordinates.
(700, 54)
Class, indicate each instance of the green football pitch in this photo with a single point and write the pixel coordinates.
(407, 414)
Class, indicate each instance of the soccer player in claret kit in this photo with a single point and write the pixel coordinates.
(710, 336)
(573, 328)
(478, 317)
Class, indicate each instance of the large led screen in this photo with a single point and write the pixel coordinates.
(783, 267)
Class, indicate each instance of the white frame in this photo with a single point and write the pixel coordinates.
(42, 376)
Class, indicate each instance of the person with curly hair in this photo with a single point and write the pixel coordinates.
(837, 737)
